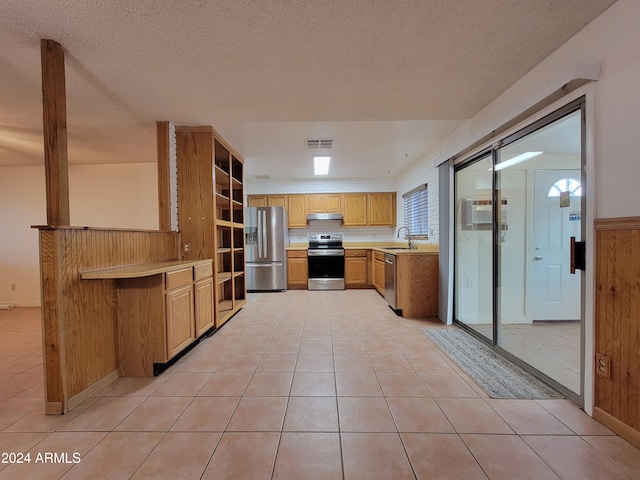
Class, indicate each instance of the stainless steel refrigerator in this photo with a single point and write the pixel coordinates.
(266, 237)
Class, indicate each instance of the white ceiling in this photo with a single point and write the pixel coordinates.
(386, 80)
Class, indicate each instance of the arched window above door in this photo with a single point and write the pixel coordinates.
(571, 185)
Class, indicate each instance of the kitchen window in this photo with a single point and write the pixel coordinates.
(416, 211)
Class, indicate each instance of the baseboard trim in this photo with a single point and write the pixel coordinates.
(53, 408)
(627, 432)
(77, 399)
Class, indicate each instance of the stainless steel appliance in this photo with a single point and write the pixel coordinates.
(325, 258)
(266, 238)
(390, 280)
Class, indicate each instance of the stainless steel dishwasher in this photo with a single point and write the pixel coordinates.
(390, 280)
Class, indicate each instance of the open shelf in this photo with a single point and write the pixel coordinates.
(221, 154)
(239, 290)
(223, 238)
(223, 277)
(204, 153)
(237, 169)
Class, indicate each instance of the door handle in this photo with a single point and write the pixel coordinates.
(577, 256)
(537, 258)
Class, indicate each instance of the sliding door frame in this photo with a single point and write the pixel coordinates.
(578, 104)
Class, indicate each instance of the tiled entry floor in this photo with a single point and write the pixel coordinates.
(299, 385)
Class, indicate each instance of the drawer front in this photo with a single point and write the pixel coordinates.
(202, 271)
(297, 254)
(355, 253)
(179, 278)
(378, 256)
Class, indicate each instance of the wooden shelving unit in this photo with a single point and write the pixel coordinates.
(211, 212)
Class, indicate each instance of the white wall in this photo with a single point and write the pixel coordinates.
(22, 204)
(350, 234)
(420, 173)
(613, 41)
(117, 196)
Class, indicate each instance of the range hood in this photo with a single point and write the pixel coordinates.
(324, 216)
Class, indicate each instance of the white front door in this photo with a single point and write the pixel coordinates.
(555, 293)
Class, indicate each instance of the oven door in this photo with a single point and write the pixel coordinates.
(326, 269)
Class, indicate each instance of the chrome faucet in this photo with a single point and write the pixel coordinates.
(412, 245)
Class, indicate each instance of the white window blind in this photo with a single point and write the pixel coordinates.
(416, 210)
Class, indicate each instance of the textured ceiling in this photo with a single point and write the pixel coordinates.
(387, 80)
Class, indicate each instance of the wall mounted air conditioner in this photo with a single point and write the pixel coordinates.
(477, 214)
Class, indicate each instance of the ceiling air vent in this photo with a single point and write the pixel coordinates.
(319, 143)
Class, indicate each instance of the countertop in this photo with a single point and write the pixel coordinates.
(141, 269)
(423, 249)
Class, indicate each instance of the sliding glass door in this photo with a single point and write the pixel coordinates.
(514, 282)
(473, 304)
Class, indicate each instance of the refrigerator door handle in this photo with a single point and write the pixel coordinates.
(259, 232)
(264, 232)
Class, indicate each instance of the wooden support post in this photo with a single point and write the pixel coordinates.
(55, 132)
(164, 175)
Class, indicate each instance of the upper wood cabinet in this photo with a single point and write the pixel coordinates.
(298, 209)
(316, 203)
(332, 203)
(256, 201)
(277, 201)
(267, 201)
(358, 209)
(382, 209)
(354, 209)
(325, 203)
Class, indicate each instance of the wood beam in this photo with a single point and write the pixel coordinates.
(54, 109)
(164, 176)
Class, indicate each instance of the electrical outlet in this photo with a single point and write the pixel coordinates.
(187, 247)
(469, 282)
(13, 286)
(603, 365)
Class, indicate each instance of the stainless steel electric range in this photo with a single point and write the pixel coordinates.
(325, 258)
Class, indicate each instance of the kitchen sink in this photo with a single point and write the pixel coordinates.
(396, 248)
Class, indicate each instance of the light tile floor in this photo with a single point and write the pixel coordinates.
(553, 348)
(298, 385)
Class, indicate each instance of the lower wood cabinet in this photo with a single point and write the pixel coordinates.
(356, 269)
(181, 329)
(297, 270)
(417, 285)
(377, 272)
(160, 315)
(203, 301)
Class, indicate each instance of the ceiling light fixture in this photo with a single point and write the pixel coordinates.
(515, 160)
(321, 164)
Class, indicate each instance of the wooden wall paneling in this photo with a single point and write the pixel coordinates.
(80, 316)
(54, 109)
(164, 175)
(52, 332)
(195, 192)
(617, 326)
